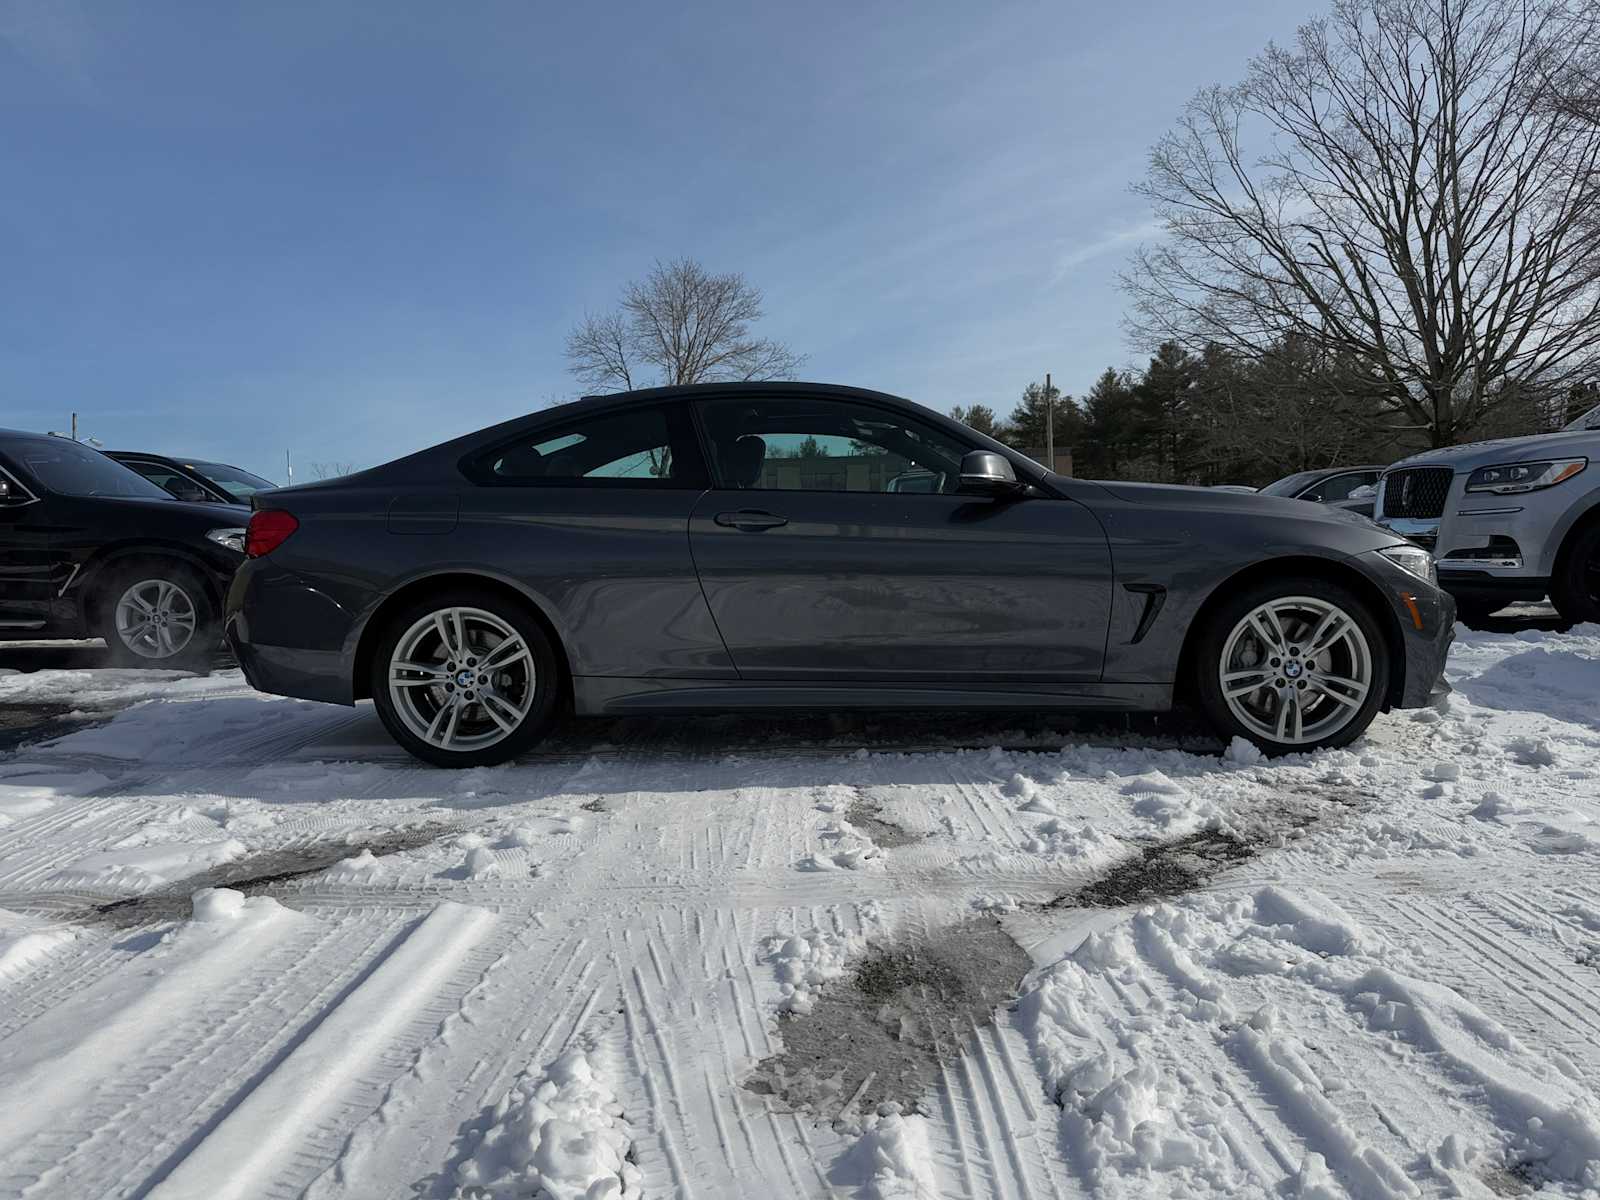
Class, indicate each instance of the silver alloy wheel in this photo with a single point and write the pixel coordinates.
(462, 679)
(155, 618)
(1296, 669)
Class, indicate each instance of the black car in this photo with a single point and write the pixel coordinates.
(749, 546)
(88, 548)
(195, 479)
(1328, 485)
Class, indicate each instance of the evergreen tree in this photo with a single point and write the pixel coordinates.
(1027, 424)
(980, 417)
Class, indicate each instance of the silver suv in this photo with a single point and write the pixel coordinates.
(1514, 519)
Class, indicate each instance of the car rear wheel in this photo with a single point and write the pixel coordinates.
(1575, 591)
(157, 613)
(465, 679)
(1292, 665)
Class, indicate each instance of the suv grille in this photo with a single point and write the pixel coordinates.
(1416, 491)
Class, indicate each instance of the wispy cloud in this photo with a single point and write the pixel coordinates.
(1115, 240)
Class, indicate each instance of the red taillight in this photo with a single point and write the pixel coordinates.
(269, 528)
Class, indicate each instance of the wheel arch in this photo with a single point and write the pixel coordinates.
(372, 629)
(1581, 524)
(1330, 570)
(92, 581)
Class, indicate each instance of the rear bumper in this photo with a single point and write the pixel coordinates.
(291, 639)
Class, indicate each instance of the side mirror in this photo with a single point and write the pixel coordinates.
(988, 473)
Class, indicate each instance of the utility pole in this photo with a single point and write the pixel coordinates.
(288, 465)
(74, 426)
(1049, 426)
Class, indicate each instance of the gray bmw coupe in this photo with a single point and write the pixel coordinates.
(758, 546)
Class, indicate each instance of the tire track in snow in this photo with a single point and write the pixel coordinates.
(101, 1033)
(233, 1034)
(257, 1138)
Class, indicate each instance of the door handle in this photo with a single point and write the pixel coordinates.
(750, 520)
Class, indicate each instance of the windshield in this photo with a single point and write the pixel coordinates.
(238, 483)
(1291, 485)
(1589, 420)
(70, 469)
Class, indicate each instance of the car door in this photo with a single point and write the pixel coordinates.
(29, 574)
(591, 513)
(835, 546)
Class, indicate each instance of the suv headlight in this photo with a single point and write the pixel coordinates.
(1414, 559)
(233, 538)
(1508, 478)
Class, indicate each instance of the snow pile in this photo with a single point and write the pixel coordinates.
(560, 1134)
(26, 790)
(359, 868)
(806, 961)
(1086, 844)
(892, 1160)
(1243, 752)
(1121, 1115)
(220, 906)
(843, 849)
(1166, 803)
(24, 940)
(137, 866)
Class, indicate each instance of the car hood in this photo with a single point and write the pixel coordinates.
(1540, 446)
(1258, 503)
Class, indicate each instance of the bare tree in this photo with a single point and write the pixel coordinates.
(331, 470)
(684, 324)
(1416, 211)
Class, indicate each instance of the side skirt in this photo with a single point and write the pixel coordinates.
(597, 696)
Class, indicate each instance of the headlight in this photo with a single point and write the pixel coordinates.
(1524, 477)
(233, 539)
(1414, 559)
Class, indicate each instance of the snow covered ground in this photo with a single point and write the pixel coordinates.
(249, 949)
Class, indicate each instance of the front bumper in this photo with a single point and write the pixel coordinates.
(1426, 619)
(1488, 548)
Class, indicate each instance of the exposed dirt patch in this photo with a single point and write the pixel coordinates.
(1159, 871)
(258, 872)
(886, 834)
(881, 1033)
(24, 723)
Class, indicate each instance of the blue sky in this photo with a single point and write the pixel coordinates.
(352, 230)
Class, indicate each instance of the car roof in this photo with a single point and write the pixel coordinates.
(166, 458)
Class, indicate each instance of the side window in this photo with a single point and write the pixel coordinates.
(169, 480)
(828, 445)
(1340, 486)
(637, 447)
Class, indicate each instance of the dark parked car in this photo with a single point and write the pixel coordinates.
(90, 549)
(193, 479)
(750, 546)
(1327, 486)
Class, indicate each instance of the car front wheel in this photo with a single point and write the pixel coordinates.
(1575, 591)
(465, 679)
(157, 613)
(1293, 665)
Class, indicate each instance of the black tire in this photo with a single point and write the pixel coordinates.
(1475, 613)
(128, 648)
(1221, 621)
(546, 683)
(1575, 590)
